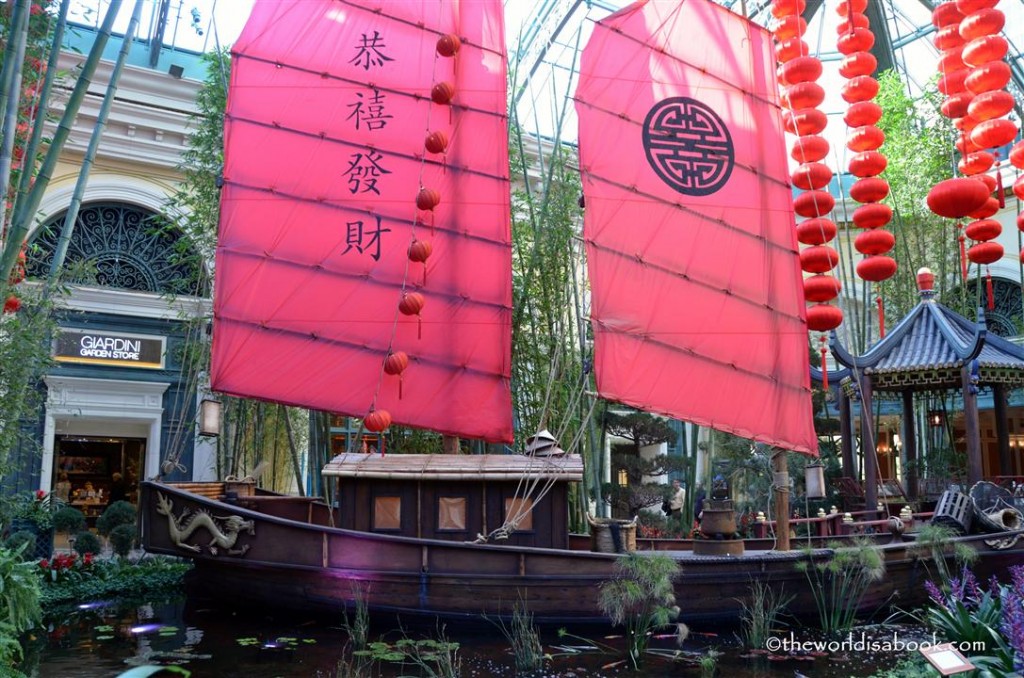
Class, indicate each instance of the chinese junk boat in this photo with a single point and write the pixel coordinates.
(364, 268)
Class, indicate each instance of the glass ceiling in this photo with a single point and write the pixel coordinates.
(545, 36)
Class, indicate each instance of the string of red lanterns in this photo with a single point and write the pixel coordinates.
(427, 199)
(801, 95)
(986, 121)
(864, 139)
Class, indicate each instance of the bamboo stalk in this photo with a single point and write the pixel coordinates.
(90, 154)
(294, 453)
(14, 59)
(25, 211)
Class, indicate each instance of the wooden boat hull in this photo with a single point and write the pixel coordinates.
(289, 562)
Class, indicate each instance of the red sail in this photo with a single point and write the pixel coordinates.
(697, 309)
(326, 172)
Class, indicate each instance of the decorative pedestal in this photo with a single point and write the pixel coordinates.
(718, 531)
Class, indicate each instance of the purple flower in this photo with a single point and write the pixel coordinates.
(934, 593)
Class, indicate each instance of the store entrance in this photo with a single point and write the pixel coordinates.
(92, 472)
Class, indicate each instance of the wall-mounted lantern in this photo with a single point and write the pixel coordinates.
(209, 417)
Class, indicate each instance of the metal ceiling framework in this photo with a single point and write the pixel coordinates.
(556, 29)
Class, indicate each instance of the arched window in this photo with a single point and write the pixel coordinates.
(1006, 319)
(123, 246)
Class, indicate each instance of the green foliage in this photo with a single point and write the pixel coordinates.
(838, 583)
(19, 592)
(117, 514)
(523, 639)
(10, 651)
(24, 542)
(431, 657)
(914, 666)
(122, 539)
(760, 616)
(641, 430)
(936, 544)
(641, 597)
(68, 520)
(116, 577)
(87, 542)
(358, 629)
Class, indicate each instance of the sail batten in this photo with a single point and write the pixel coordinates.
(697, 302)
(344, 238)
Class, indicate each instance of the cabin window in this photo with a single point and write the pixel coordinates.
(387, 513)
(451, 513)
(523, 508)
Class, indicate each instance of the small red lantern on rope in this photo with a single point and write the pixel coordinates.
(448, 45)
(819, 288)
(823, 317)
(442, 93)
(377, 421)
(419, 252)
(427, 199)
(815, 231)
(436, 142)
(395, 364)
(411, 304)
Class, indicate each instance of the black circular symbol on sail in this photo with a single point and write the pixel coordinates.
(688, 146)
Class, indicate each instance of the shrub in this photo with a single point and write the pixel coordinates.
(22, 542)
(122, 539)
(87, 542)
(118, 513)
(69, 520)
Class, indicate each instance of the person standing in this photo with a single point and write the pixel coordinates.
(677, 501)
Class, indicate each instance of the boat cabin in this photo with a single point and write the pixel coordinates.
(457, 497)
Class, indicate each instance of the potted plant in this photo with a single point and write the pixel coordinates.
(33, 513)
(69, 521)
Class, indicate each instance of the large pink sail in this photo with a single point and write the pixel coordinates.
(697, 309)
(329, 110)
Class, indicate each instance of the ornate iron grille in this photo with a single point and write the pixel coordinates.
(121, 246)
(1006, 319)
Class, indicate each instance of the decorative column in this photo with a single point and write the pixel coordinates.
(846, 434)
(1002, 430)
(971, 429)
(910, 444)
(868, 444)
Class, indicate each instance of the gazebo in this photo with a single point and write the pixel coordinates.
(932, 349)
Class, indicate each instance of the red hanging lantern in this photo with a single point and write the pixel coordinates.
(803, 95)
(869, 189)
(784, 8)
(810, 148)
(846, 25)
(876, 268)
(956, 105)
(872, 215)
(792, 26)
(948, 37)
(427, 199)
(823, 317)
(975, 163)
(821, 288)
(816, 231)
(983, 229)
(411, 304)
(442, 93)
(806, 121)
(994, 133)
(448, 45)
(857, 40)
(1018, 187)
(988, 180)
(1020, 222)
(818, 259)
(865, 138)
(946, 14)
(985, 253)
(812, 176)
(877, 241)
(1017, 155)
(964, 144)
(868, 164)
(12, 304)
(420, 251)
(377, 421)
(985, 49)
(951, 61)
(862, 113)
(956, 198)
(816, 203)
(861, 88)
(953, 83)
(847, 6)
(858, 63)
(436, 142)
(791, 48)
(991, 105)
(972, 6)
(800, 69)
(395, 363)
(980, 23)
(988, 76)
(990, 207)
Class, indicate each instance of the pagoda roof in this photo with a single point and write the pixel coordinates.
(928, 348)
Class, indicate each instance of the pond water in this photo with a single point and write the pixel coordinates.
(101, 640)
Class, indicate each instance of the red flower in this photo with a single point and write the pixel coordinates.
(40, 495)
(45, 564)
